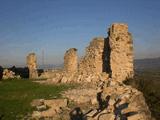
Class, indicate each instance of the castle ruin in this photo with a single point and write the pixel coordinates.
(106, 64)
(111, 57)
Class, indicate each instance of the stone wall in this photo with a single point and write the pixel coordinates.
(121, 56)
(111, 57)
(71, 60)
(107, 62)
(92, 62)
(32, 66)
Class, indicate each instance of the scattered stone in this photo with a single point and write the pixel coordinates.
(48, 108)
(111, 102)
(8, 74)
(37, 102)
(94, 101)
(49, 113)
(92, 113)
(81, 95)
(36, 114)
(106, 116)
(41, 107)
(56, 103)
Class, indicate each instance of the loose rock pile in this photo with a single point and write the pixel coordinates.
(64, 77)
(7, 74)
(48, 109)
(114, 101)
(110, 100)
(82, 95)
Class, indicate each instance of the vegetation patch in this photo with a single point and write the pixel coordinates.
(148, 81)
(16, 96)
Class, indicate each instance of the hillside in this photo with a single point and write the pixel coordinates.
(148, 63)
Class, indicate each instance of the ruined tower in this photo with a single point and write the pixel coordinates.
(32, 65)
(121, 54)
(71, 60)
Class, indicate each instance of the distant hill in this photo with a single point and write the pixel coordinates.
(50, 66)
(148, 63)
(140, 64)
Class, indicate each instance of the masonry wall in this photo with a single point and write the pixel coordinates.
(121, 54)
(92, 62)
(71, 60)
(111, 56)
(32, 66)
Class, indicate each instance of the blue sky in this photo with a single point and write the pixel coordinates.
(56, 25)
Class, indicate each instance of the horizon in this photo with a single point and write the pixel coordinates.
(49, 66)
(55, 26)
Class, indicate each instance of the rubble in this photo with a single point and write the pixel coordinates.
(47, 108)
(81, 95)
(8, 74)
(115, 101)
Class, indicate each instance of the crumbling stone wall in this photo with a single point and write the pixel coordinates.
(71, 60)
(92, 62)
(121, 56)
(111, 57)
(32, 66)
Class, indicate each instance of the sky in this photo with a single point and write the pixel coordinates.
(53, 26)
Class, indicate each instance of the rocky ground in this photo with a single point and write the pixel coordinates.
(105, 101)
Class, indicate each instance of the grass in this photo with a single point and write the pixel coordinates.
(148, 82)
(16, 95)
